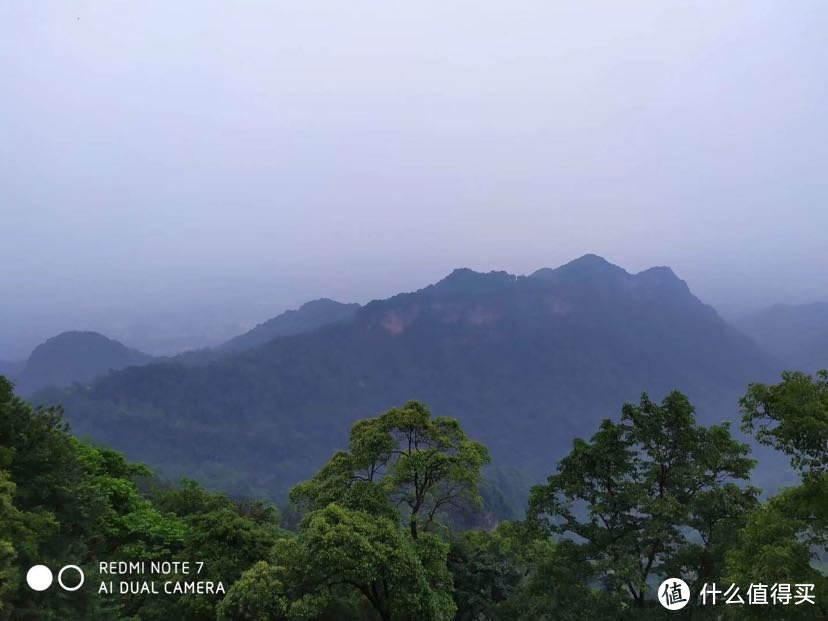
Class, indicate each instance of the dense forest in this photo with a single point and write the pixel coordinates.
(553, 353)
(386, 529)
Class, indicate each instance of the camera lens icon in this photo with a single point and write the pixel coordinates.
(40, 577)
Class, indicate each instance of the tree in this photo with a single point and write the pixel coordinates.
(559, 585)
(487, 569)
(258, 595)
(52, 491)
(127, 525)
(63, 502)
(651, 493)
(422, 464)
(343, 558)
(350, 550)
(13, 533)
(792, 417)
(227, 536)
(780, 539)
(770, 550)
(512, 573)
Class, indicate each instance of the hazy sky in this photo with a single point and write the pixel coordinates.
(170, 171)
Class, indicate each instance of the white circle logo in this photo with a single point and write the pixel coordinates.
(60, 578)
(673, 594)
(39, 578)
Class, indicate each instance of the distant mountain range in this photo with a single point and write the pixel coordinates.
(308, 317)
(77, 356)
(526, 363)
(74, 357)
(797, 335)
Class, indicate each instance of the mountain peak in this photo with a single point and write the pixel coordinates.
(310, 316)
(75, 356)
(659, 271)
(322, 303)
(662, 278)
(589, 260)
(589, 266)
(465, 281)
(73, 338)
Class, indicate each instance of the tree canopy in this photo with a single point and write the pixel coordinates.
(653, 495)
(425, 466)
(377, 534)
(792, 417)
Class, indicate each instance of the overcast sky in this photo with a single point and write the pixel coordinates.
(171, 171)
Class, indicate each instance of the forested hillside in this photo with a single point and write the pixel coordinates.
(374, 533)
(63, 501)
(75, 357)
(525, 363)
(309, 316)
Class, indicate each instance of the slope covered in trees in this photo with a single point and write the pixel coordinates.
(309, 316)
(651, 494)
(525, 364)
(66, 502)
(75, 357)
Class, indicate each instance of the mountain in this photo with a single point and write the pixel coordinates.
(797, 335)
(307, 317)
(527, 363)
(80, 356)
(74, 357)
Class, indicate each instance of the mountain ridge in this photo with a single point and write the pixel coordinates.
(81, 355)
(75, 356)
(308, 316)
(551, 355)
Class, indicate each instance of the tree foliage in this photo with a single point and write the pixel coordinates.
(649, 495)
(422, 464)
(63, 501)
(342, 554)
(653, 494)
(785, 539)
(792, 417)
(403, 464)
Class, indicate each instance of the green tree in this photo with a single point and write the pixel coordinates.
(260, 594)
(512, 573)
(770, 550)
(342, 560)
(421, 464)
(227, 536)
(781, 539)
(487, 568)
(128, 525)
(13, 534)
(654, 493)
(63, 502)
(560, 584)
(52, 490)
(792, 417)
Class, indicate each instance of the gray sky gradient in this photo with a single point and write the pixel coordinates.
(172, 171)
